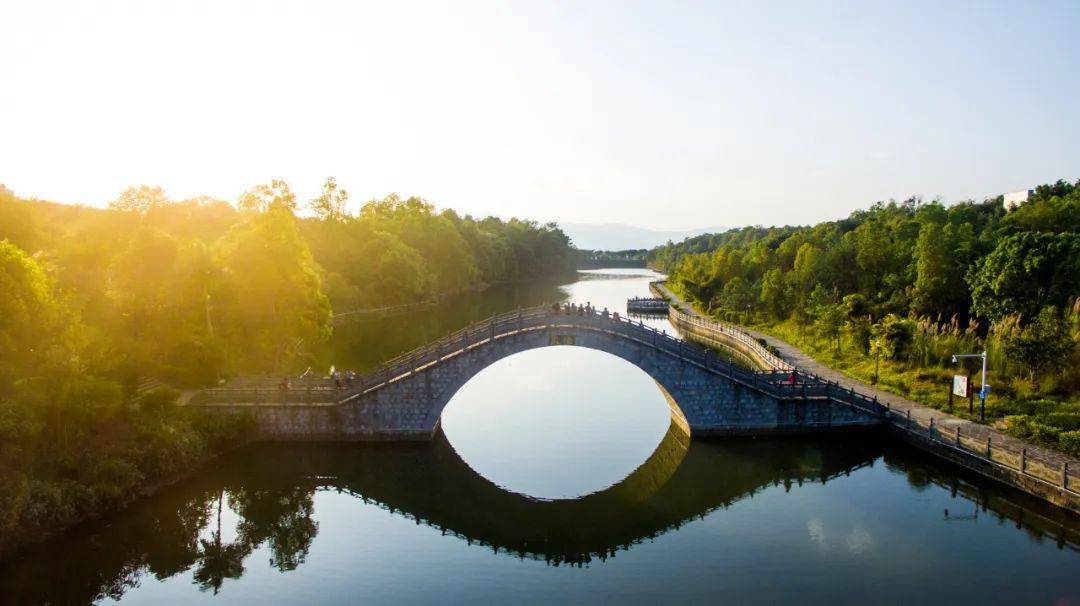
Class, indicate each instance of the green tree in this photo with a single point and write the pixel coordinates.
(140, 200)
(774, 294)
(272, 301)
(737, 296)
(829, 322)
(1024, 273)
(932, 264)
(35, 333)
(890, 339)
(1054, 208)
(1044, 345)
(330, 204)
(18, 222)
(277, 195)
(857, 322)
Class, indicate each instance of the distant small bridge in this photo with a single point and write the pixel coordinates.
(404, 398)
(647, 306)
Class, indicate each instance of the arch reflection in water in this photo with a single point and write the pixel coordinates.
(269, 491)
(558, 422)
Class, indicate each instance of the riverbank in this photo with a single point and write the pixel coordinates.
(38, 507)
(978, 447)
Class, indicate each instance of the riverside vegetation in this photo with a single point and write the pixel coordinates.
(889, 294)
(94, 301)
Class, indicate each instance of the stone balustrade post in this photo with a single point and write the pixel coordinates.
(989, 455)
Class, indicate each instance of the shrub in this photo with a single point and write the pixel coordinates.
(114, 477)
(13, 496)
(1045, 345)
(192, 363)
(892, 337)
(1036, 406)
(1066, 421)
(222, 431)
(1044, 434)
(1018, 426)
(1069, 442)
(91, 394)
(51, 505)
(158, 398)
(1023, 387)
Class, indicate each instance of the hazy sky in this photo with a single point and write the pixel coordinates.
(660, 114)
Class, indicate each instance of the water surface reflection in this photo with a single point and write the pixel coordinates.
(262, 500)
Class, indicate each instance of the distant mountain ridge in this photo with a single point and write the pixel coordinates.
(619, 236)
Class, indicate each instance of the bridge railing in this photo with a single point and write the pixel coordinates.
(450, 345)
(786, 385)
(688, 322)
(509, 323)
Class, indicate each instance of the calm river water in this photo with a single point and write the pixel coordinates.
(556, 478)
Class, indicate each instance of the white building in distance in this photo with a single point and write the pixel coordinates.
(1017, 198)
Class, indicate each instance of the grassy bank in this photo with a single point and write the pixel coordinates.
(1042, 414)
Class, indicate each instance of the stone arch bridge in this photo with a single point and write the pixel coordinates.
(405, 397)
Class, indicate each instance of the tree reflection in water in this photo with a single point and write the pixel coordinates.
(219, 561)
(280, 517)
(269, 492)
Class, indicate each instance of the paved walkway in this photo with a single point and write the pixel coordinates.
(944, 421)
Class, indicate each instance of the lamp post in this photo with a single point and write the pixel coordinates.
(983, 387)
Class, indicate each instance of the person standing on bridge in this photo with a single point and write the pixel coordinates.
(283, 389)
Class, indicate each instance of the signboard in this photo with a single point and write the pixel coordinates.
(960, 386)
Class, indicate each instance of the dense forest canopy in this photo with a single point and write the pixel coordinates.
(94, 301)
(199, 288)
(911, 284)
(969, 260)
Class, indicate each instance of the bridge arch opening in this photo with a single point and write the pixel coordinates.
(561, 422)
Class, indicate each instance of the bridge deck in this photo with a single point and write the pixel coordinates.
(783, 385)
